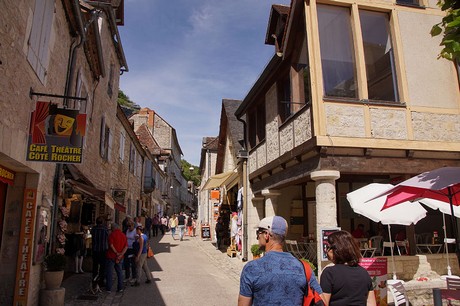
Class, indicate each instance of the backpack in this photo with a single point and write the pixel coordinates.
(312, 298)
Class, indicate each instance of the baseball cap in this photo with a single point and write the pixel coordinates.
(275, 224)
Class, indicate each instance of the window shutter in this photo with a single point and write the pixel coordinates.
(109, 148)
(101, 144)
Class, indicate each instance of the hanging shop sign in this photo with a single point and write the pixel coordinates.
(25, 253)
(7, 175)
(56, 134)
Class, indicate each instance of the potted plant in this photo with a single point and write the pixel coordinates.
(256, 251)
(54, 265)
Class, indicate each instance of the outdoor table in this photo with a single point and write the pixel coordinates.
(370, 251)
(430, 248)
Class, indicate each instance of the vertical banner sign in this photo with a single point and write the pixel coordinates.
(325, 232)
(26, 236)
(56, 134)
(378, 271)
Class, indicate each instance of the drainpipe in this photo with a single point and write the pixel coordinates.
(69, 78)
(245, 195)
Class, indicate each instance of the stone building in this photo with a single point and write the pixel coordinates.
(354, 94)
(166, 145)
(207, 169)
(69, 160)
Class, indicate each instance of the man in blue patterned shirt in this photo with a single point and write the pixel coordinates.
(278, 278)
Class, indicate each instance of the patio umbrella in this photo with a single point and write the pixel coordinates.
(444, 209)
(441, 184)
(404, 214)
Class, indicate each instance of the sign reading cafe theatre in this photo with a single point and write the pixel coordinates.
(56, 134)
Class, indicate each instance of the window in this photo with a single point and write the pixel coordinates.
(408, 2)
(132, 157)
(256, 126)
(40, 34)
(337, 53)
(378, 56)
(122, 145)
(106, 141)
(338, 56)
(110, 83)
(284, 98)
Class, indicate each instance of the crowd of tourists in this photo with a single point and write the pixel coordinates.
(124, 250)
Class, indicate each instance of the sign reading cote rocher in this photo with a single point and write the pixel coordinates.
(56, 134)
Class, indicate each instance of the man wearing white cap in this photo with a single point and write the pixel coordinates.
(278, 278)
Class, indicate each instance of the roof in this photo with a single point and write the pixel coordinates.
(146, 138)
(279, 14)
(230, 128)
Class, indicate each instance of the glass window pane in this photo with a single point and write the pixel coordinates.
(378, 53)
(337, 53)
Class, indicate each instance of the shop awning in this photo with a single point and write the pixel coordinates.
(88, 190)
(109, 201)
(218, 180)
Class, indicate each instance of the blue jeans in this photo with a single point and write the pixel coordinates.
(181, 231)
(110, 265)
(173, 232)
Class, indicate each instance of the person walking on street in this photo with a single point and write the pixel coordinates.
(190, 225)
(277, 278)
(156, 224)
(172, 225)
(181, 225)
(118, 244)
(164, 224)
(219, 233)
(346, 282)
(99, 247)
(141, 257)
(148, 226)
(130, 265)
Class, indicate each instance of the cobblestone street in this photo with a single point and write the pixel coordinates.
(188, 272)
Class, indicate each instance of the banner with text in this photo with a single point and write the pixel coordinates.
(56, 134)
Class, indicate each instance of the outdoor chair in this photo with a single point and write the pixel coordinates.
(387, 244)
(398, 292)
(453, 283)
(376, 242)
(293, 248)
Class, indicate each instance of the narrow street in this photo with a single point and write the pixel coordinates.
(188, 272)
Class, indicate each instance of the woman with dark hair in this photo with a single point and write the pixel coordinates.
(345, 283)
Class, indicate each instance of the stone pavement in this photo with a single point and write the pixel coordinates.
(185, 273)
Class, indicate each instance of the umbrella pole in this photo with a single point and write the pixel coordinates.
(454, 224)
(446, 246)
(391, 250)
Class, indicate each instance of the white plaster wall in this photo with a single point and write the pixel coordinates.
(431, 82)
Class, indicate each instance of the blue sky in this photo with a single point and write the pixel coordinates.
(185, 56)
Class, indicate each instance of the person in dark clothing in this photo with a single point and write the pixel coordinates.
(148, 226)
(181, 225)
(219, 233)
(100, 245)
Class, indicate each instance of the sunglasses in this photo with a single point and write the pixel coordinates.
(260, 231)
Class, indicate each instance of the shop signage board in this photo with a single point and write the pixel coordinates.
(378, 271)
(25, 248)
(325, 232)
(56, 134)
(7, 175)
(205, 232)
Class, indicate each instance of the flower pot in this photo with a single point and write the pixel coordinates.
(53, 279)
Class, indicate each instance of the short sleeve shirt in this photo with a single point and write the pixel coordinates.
(348, 286)
(277, 278)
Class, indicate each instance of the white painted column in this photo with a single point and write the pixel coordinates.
(326, 210)
(271, 203)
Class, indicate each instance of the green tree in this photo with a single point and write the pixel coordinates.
(126, 102)
(191, 172)
(450, 25)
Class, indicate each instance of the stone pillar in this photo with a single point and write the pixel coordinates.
(326, 204)
(271, 203)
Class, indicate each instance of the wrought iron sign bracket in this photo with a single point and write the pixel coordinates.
(40, 94)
